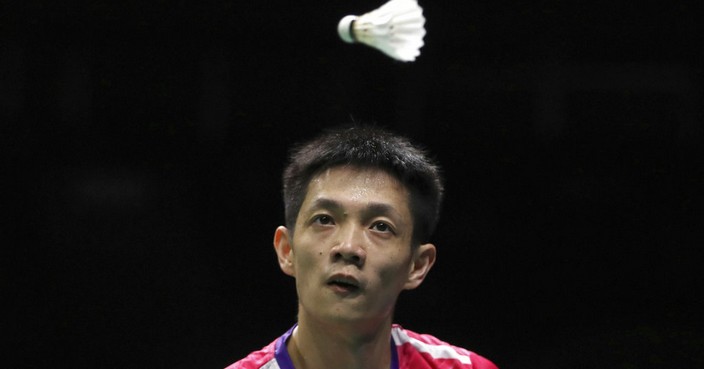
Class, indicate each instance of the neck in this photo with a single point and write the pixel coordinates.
(344, 346)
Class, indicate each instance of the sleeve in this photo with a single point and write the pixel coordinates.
(480, 362)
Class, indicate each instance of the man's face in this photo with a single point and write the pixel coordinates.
(351, 250)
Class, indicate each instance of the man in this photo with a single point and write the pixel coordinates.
(360, 205)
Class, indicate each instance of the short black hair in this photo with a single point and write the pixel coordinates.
(366, 146)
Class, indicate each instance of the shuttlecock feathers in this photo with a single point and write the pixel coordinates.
(396, 28)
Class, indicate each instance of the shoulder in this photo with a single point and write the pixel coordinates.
(425, 351)
(261, 359)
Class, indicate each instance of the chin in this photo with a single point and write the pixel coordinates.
(354, 319)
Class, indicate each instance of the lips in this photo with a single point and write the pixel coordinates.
(344, 283)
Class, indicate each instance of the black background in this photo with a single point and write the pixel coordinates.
(142, 145)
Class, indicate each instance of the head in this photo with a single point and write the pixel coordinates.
(360, 203)
(367, 147)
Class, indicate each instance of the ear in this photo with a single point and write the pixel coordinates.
(423, 260)
(284, 252)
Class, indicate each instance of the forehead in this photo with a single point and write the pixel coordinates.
(356, 184)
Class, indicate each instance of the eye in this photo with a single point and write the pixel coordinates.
(323, 220)
(382, 227)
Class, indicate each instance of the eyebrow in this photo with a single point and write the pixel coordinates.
(372, 209)
(383, 209)
(325, 203)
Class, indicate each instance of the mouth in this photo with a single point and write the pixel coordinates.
(344, 284)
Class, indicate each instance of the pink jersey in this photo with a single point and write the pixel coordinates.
(409, 350)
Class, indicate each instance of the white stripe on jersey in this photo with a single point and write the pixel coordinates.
(436, 351)
(271, 364)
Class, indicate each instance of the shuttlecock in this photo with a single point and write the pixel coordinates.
(396, 28)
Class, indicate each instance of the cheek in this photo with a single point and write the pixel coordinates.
(307, 261)
(394, 270)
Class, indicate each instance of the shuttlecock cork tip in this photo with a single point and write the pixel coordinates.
(344, 28)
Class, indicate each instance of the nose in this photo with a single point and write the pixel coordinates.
(350, 248)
